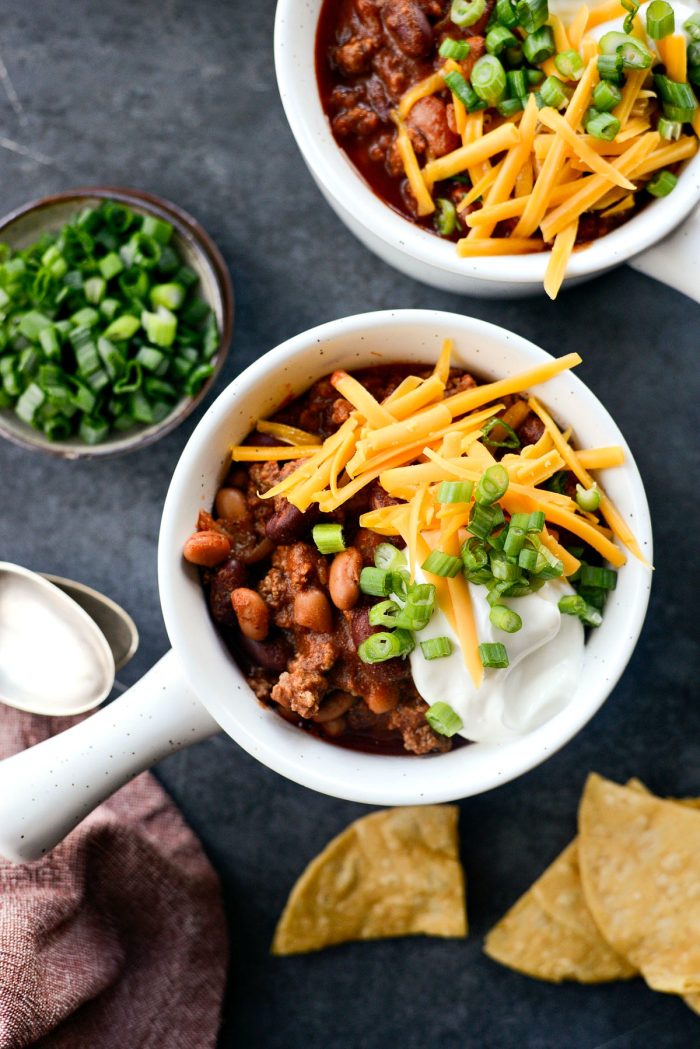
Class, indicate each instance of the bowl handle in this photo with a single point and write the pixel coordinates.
(46, 790)
(676, 259)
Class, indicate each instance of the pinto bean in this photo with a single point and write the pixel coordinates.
(229, 577)
(273, 654)
(311, 610)
(231, 504)
(289, 524)
(207, 548)
(334, 727)
(429, 116)
(344, 578)
(409, 26)
(381, 698)
(333, 706)
(251, 612)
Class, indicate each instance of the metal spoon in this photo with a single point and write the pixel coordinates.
(54, 659)
(115, 623)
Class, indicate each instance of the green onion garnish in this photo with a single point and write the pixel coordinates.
(457, 49)
(455, 491)
(610, 68)
(633, 7)
(606, 96)
(377, 648)
(662, 183)
(499, 38)
(492, 485)
(443, 719)
(484, 519)
(445, 220)
(601, 125)
(555, 93)
(511, 438)
(539, 46)
(489, 79)
(591, 616)
(436, 647)
(493, 655)
(467, 12)
(441, 564)
(517, 88)
(532, 14)
(503, 567)
(536, 522)
(660, 19)
(588, 499)
(384, 613)
(504, 618)
(508, 107)
(569, 64)
(572, 605)
(419, 607)
(601, 578)
(475, 557)
(377, 582)
(464, 91)
(328, 538)
(506, 13)
(692, 26)
(515, 534)
(389, 558)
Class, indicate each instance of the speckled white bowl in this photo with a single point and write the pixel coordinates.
(163, 713)
(426, 257)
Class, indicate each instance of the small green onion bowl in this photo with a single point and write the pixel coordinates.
(25, 225)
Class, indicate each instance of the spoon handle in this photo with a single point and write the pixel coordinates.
(49, 789)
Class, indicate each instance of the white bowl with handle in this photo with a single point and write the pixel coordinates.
(644, 240)
(197, 688)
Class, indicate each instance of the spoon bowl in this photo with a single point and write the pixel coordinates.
(115, 623)
(54, 659)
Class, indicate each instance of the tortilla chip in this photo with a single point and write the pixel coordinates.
(392, 873)
(550, 933)
(640, 869)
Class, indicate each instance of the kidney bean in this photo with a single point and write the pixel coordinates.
(261, 440)
(251, 612)
(273, 654)
(312, 610)
(207, 548)
(231, 504)
(360, 628)
(408, 24)
(344, 578)
(229, 577)
(333, 706)
(250, 555)
(289, 523)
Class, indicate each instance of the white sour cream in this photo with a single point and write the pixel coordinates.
(546, 657)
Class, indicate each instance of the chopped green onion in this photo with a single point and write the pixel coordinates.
(467, 12)
(591, 616)
(555, 93)
(492, 485)
(493, 655)
(610, 68)
(602, 125)
(502, 567)
(376, 582)
(457, 49)
(633, 53)
(389, 558)
(499, 38)
(572, 605)
(504, 618)
(506, 13)
(196, 378)
(95, 288)
(419, 607)
(517, 88)
(455, 491)
(133, 283)
(122, 328)
(662, 184)
(677, 95)
(463, 91)
(436, 647)
(588, 499)
(513, 57)
(633, 7)
(536, 522)
(484, 519)
(160, 327)
(569, 64)
(29, 403)
(594, 595)
(515, 535)
(489, 79)
(532, 14)
(384, 613)
(441, 564)
(534, 77)
(606, 96)
(377, 648)
(328, 538)
(48, 340)
(132, 379)
(508, 107)
(445, 220)
(474, 555)
(110, 265)
(32, 323)
(443, 719)
(692, 26)
(156, 228)
(93, 429)
(603, 578)
(539, 45)
(660, 19)
(141, 250)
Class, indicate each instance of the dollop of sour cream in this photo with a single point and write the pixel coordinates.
(546, 657)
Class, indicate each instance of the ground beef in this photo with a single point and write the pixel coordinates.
(418, 737)
(531, 430)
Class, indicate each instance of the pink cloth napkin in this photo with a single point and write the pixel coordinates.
(117, 939)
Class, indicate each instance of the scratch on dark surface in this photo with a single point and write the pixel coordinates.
(24, 151)
(12, 96)
(620, 1041)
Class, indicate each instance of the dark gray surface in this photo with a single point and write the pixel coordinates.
(180, 99)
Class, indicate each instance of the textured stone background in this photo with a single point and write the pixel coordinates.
(180, 98)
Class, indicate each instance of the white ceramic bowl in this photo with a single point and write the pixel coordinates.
(192, 693)
(426, 257)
